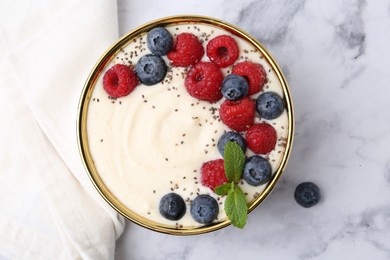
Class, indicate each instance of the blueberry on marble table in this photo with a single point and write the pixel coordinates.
(307, 194)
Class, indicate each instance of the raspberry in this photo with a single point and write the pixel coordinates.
(213, 174)
(254, 73)
(238, 115)
(187, 50)
(222, 50)
(204, 81)
(119, 81)
(261, 138)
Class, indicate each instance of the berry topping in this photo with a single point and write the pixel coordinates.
(204, 209)
(233, 137)
(257, 170)
(222, 50)
(269, 105)
(119, 81)
(204, 81)
(234, 87)
(254, 73)
(261, 138)
(150, 69)
(159, 41)
(172, 206)
(213, 174)
(238, 115)
(307, 194)
(187, 50)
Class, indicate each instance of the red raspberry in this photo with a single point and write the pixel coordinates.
(204, 81)
(261, 138)
(238, 115)
(187, 50)
(213, 174)
(119, 81)
(254, 73)
(222, 50)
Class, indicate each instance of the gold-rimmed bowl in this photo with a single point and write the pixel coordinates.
(86, 99)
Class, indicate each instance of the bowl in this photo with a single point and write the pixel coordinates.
(86, 147)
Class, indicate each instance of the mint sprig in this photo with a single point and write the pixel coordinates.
(234, 160)
(235, 206)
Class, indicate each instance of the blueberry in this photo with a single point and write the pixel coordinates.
(231, 136)
(269, 105)
(159, 41)
(204, 209)
(234, 87)
(172, 206)
(307, 194)
(257, 170)
(150, 69)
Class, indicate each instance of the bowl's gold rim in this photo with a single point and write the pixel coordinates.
(83, 110)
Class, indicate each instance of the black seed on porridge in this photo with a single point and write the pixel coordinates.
(196, 182)
(220, 203)
(198, 189)
(200, 124)
(195, 178)
(154, 191)
(246, 193)
(113, 102)
(184, 189)
(148, 213)
(191, 193)
(184, 134)
(166, 159)
(171, 189)
(176, 110)
(195, 170)
(153, 107)
(145, 101)
(120, 102)
(97, 100)
(93, 99)
(182, 142)
(184, 177)
(101, 140)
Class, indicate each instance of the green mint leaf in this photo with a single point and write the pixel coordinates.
(234, 160)
(236, 207)
(222, 189)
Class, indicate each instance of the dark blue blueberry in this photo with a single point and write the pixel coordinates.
(234, 87)
(204, 209)
(231, 136)
(172, 206)
(150, 69)
(257, 170)
(159, 41)
(269, 105)
(307, 194)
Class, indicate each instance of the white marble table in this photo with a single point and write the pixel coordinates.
(335, 55)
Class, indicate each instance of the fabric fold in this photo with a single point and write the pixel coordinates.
(48, 50)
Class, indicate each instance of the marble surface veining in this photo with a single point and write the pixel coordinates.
(335, 55)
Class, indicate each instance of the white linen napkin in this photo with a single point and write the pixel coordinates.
(49, 208)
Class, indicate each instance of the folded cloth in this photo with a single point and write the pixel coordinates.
(49, 208)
